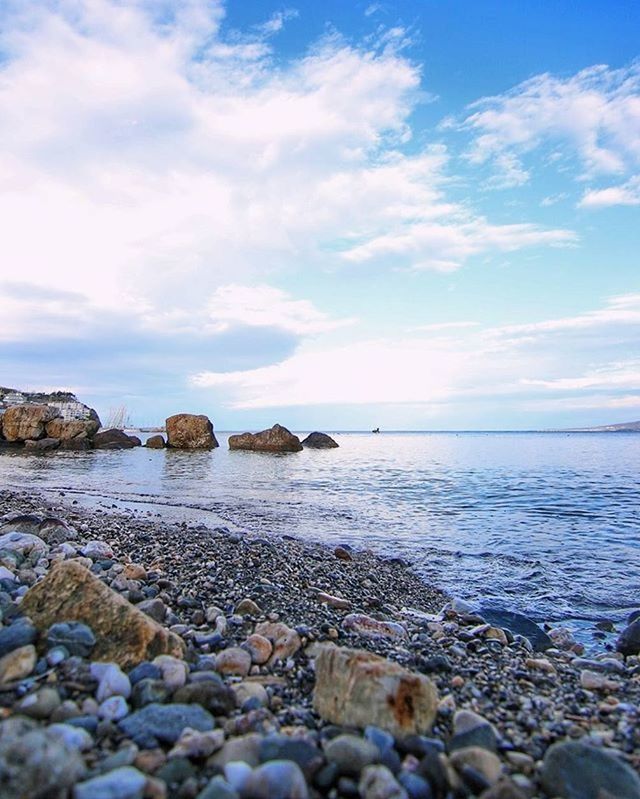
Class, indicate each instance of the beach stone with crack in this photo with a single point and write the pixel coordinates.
(165, 723)
(35, 762)
(575, 770)
(17, 664)
(367, 625)
(190, 431)
(278, 779)
(124, 634)
(356, 688)
(121, 783)
(377, 782)
(77, 638)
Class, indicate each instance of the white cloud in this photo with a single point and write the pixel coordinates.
(624, 194)
(146, 159)
(430, 368)
(595, 114)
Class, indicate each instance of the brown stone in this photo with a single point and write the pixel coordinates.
(276, 439)
(286, 641)
(42, 444)
(355, 688)
(366, 625)
(66, 430)
(190, 431)
(25, 422)
(125, 635)
(113, 439)
(155, 442)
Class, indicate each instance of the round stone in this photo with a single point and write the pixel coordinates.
(77, 638)
(575, 770)
(233, 660)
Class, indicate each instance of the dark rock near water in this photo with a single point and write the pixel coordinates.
(518, 624)
(276, 439)
(155, 442)
(113, 439)
(319, 441)
(629, 641)
(42, 445)
(575, 770)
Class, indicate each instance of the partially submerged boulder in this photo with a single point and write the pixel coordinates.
(155, 442)
(190, 431)
(319, 441)
(42, 444)
(27, 422)
(114, 439)
(355, 689)
(276, 439)
(125, 635)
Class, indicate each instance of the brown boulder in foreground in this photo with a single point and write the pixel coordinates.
(319, 441)
(26, 422)
(190, 431)
(277, 439)
(73, 428)
(355, 688)
(125, 635)
(155, 442)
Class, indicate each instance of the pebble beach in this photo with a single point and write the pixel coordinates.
(142, 658)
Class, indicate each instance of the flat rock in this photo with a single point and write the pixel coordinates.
(366, 625)
(575, 770)
(190, 431)
(518, 624)
(276, 439)
(356, 688)
(124, 634)
(165, 722)
(121, 783)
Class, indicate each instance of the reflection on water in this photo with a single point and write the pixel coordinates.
(545, 523)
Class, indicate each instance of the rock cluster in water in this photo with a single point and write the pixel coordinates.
(275, 439)
(141, 660)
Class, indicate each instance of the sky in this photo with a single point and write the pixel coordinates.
(420, 214)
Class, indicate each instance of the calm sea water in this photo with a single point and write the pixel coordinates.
(544, 523)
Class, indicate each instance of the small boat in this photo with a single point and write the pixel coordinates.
(377, 430)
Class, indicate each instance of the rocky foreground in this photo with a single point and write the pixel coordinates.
(143, 659)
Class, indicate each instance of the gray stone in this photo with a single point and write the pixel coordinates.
(518, 625)
(218, 788)
(73, 737)
(278, 779)
(284, 747)
(28, 545)
(351, 754)
(35, 763)
(77, 638)
(377, 782)
(121, 783)
(575, 770)
(471, 729)
(41, 704)
(165, 723)
(319, 441)
(146, 692)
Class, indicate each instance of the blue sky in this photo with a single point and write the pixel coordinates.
(413, 215)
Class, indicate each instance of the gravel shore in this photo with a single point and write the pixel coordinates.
(251, 617)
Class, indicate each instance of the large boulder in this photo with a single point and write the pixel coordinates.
(277, 439)
(190, 431)
(319, 441)
(355, 689)
(42, 444)
(629, 641)
(125, 635)
(65, 430)
(155, 442)
(27, 422)
(113, 439)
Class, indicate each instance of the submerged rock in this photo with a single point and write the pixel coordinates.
(113, 439)
(319, 441)
(629, 641)
(155, 442)
(356, 688)
(124, 634)
(276, 439)
(190, 431)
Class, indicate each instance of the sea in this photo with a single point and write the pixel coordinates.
(547, 524)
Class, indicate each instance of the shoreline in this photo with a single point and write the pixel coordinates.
(529, 700)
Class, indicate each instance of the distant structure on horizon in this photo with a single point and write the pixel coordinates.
(623, 427)
(65, 402)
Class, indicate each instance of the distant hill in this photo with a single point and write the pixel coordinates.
(623, 427)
